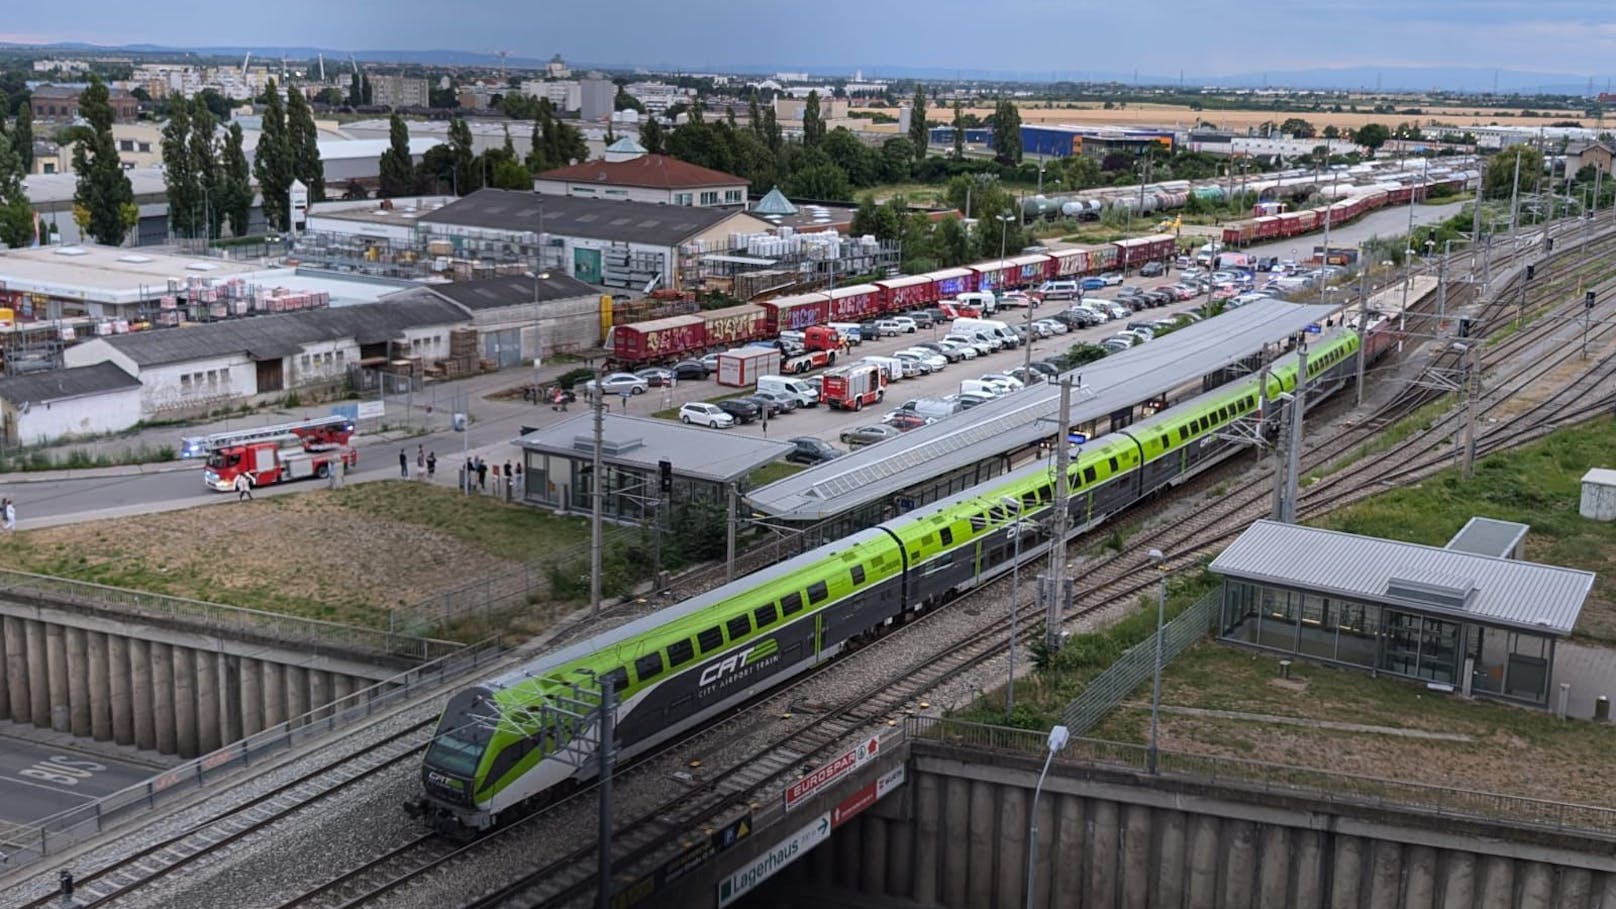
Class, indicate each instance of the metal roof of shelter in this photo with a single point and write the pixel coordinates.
(1489, 536)
(596, 219)
(1543, 599)
(505, 291)
(273, 336)
(641, 442)
(1014, 421)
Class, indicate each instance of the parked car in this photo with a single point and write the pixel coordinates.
(809, 450)
(1111, 279)
(1118, 311)
(965, 351)
(970, 399)
(888, 328)
(903, 421)
(1152, 270)
(778, 403)
(1028, 376)
(1045, 368)
(1115, 345)
(1128, 337)
(1007, 382)
(619, 383)
(704, 414)
(907, 324)
(868, 435)
(1053, 326)
(947, 352)
(1093, 283)
(923, 318)
(691, 369)
(1183, 292)
(743, 410)
(711, 362)
(929, 357)
(656, 376)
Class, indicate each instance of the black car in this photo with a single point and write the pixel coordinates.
(1159, 297)
(744, 410)
(809, 450)
(1153, 270)
(951, 354)
(774, 407)
(690, 369)
(1045, 367)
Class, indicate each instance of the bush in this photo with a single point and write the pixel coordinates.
(575, 377)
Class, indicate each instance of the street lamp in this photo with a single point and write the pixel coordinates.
(1004, 233)
(1159, 561)
(1058, 737)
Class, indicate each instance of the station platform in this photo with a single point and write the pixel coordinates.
(929, 462)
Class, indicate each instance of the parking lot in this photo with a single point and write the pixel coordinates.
(826, 423)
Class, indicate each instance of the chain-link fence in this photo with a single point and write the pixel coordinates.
(1131, 670)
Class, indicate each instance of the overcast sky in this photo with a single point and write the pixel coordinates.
(1065, 37)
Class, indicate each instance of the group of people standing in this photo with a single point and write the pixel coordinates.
(478, 471)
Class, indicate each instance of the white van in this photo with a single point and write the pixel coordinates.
(1061, 290)
(804, 394)
(995, 329)
(891, 367)
(849, 332)
(979, 387)
(983, 300)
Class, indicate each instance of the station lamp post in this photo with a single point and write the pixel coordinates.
(1058, 737)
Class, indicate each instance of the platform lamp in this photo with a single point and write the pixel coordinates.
(1058, 737)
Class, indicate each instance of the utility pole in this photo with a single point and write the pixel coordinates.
(596, 493)
(1515, 195)
(608, 733)
(1289, 493)
(729, 533)
(1363, 317)
(1056, 585)
(1470, 390)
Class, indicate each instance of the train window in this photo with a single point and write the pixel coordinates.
(710, 640)
(680, 652)
(764, 615)
(791, 604)
(929, 539)
(1183, 433)
(648, 666)
(979, 522)
(739, 627)
(1088, 475)
(856, 573)
(818, 592)
(617, 678)
(1113, 462)
(947, 535)
(1164, 443)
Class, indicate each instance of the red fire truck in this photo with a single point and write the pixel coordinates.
(276, 454)
(852, 387)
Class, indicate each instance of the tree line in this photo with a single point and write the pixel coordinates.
(458, 167)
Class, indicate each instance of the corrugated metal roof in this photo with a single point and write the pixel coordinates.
(1487, 536)
(640, 442)
(515, 290)
(274, 336)
(1015, 421)
(1496, 591)
(595, 219)
(61, 384)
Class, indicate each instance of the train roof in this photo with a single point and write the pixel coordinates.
(877, 472)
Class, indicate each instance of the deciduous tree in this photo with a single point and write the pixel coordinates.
(16, 215)
(205, 162)
(22, 136)
(236, 190)
(1372, 136)
(1007, 133)
(919, 135)
(397, 168)
(272, 163)
(303, 140)
(652, 138)
(959, 130)
(180, 182)
(103, 190)
(813, 125)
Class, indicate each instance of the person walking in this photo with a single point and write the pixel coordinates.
(403, 464)
(482, 474)
(431, 464)
(8, 515)
(243, 488)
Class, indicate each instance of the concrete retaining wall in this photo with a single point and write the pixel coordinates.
(157, 688)
(959, 836)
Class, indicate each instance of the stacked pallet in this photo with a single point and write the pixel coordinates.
(463, 354)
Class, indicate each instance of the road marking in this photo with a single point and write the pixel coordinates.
(82, 795)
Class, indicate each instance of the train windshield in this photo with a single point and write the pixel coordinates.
(461, 735)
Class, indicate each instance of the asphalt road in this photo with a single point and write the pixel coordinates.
(40, 780)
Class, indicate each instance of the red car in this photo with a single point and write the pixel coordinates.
(904, 422)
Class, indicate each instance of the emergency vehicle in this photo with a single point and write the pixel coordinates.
(276, 454)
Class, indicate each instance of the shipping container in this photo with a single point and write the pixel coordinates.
(990, 276)
(1136, 251)
(908, 291)
(741, 368)
(953, 281)
(1069, 262)
(796, 313)
(855, 303)
(645, 342)
(735, 325)
(1030, 269)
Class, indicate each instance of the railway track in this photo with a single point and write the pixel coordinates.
(205, 840)
(568, 877)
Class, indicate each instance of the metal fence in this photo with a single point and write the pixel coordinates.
(318, 636)
(1325, 785)
(28, 842)
(1107, 690)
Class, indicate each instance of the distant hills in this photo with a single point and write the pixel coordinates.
(1387, 78)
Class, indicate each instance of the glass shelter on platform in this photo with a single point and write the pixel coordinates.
(1455, 618)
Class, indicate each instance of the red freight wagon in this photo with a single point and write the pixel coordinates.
(796, 312)
(952, 282)
(1267, 227)
(642, 342)
(1136, 251)
(735, 325)
(995, 275)
(1102, 258)
(1068, 262)
(1030, 269)
(855, 303)
(908, 291)
(1240, 234)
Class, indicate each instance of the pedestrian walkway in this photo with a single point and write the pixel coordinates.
(1590, 672)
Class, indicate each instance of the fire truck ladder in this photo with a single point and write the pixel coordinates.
(199, 445)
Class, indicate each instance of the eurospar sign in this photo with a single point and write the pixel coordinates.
(840, 766)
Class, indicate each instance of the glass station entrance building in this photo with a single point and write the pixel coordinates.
(1464, 617)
